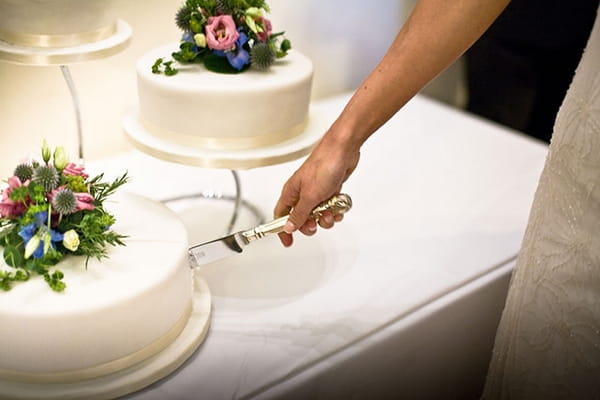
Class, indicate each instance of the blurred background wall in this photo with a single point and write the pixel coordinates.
(344, 39)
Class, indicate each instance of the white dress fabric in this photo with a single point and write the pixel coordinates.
(548, 341)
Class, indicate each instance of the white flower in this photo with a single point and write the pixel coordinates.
(71, 240)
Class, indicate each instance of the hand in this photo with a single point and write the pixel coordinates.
(320, 177)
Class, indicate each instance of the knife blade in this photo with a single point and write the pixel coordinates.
(234, 243)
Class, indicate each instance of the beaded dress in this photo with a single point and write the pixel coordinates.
(548, 340)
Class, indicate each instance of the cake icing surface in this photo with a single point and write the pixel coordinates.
(202, 108)
(114, 314)
(56, 23)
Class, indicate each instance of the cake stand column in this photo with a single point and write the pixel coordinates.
(237, 199)
(47, 55)
(75, 98)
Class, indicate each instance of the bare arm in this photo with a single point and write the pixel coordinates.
(434, 36)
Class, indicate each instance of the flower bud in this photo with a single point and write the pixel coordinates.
(47, 242)
(251, 24)
(253, 12)
(32, 245)
(200, 40)
(60, 158)
(46, 154)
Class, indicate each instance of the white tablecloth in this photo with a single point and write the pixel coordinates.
(402, 298)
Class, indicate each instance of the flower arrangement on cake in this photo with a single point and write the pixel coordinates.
(228, 36)
(50, 209)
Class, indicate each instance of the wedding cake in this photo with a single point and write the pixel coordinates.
(56, 23)
(113, 313)
(231, 83)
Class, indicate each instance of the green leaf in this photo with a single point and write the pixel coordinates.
(19, 194)
(37, 193)
(196, 24)
(156, 66)
(220, 65)
(13, 256)
(169, 70)
(186, 53)
(4, 232)
(54, 280)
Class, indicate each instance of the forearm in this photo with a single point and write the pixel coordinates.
(434, 36)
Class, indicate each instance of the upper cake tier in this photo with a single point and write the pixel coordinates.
(197, 107)
(56, 23)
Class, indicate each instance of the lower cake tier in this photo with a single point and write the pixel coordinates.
(113, 314)
(204, 109)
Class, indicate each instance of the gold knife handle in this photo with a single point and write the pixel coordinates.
(338, 204)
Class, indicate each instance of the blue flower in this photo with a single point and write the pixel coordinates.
(239, 57)
(38, 237)
(188, 37)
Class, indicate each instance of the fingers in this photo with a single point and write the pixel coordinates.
(286, 239)
(300, 216)
(309, 228)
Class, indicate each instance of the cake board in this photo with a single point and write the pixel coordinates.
(68, 55)
(135, 377)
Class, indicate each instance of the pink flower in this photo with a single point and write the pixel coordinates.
(8, 208)
(75, 170)
(221, 32)
(267, 29)
(85, 201)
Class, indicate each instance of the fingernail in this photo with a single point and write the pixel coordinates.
(312, 228)
(289, 227)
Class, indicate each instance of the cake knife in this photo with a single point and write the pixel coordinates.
(226, 246)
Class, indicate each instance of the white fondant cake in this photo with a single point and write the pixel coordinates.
(115, 314)
(56, 23)
(200, 108)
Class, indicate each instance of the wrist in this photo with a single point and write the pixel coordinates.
(344, 135)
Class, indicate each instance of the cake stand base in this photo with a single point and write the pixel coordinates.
(67, 55)
(135, 377)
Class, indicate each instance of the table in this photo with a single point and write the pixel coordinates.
(401, 300)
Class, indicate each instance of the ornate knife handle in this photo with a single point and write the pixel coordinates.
(338, 204)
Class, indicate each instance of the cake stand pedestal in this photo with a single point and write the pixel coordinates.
(63, 56)
(232, 159)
